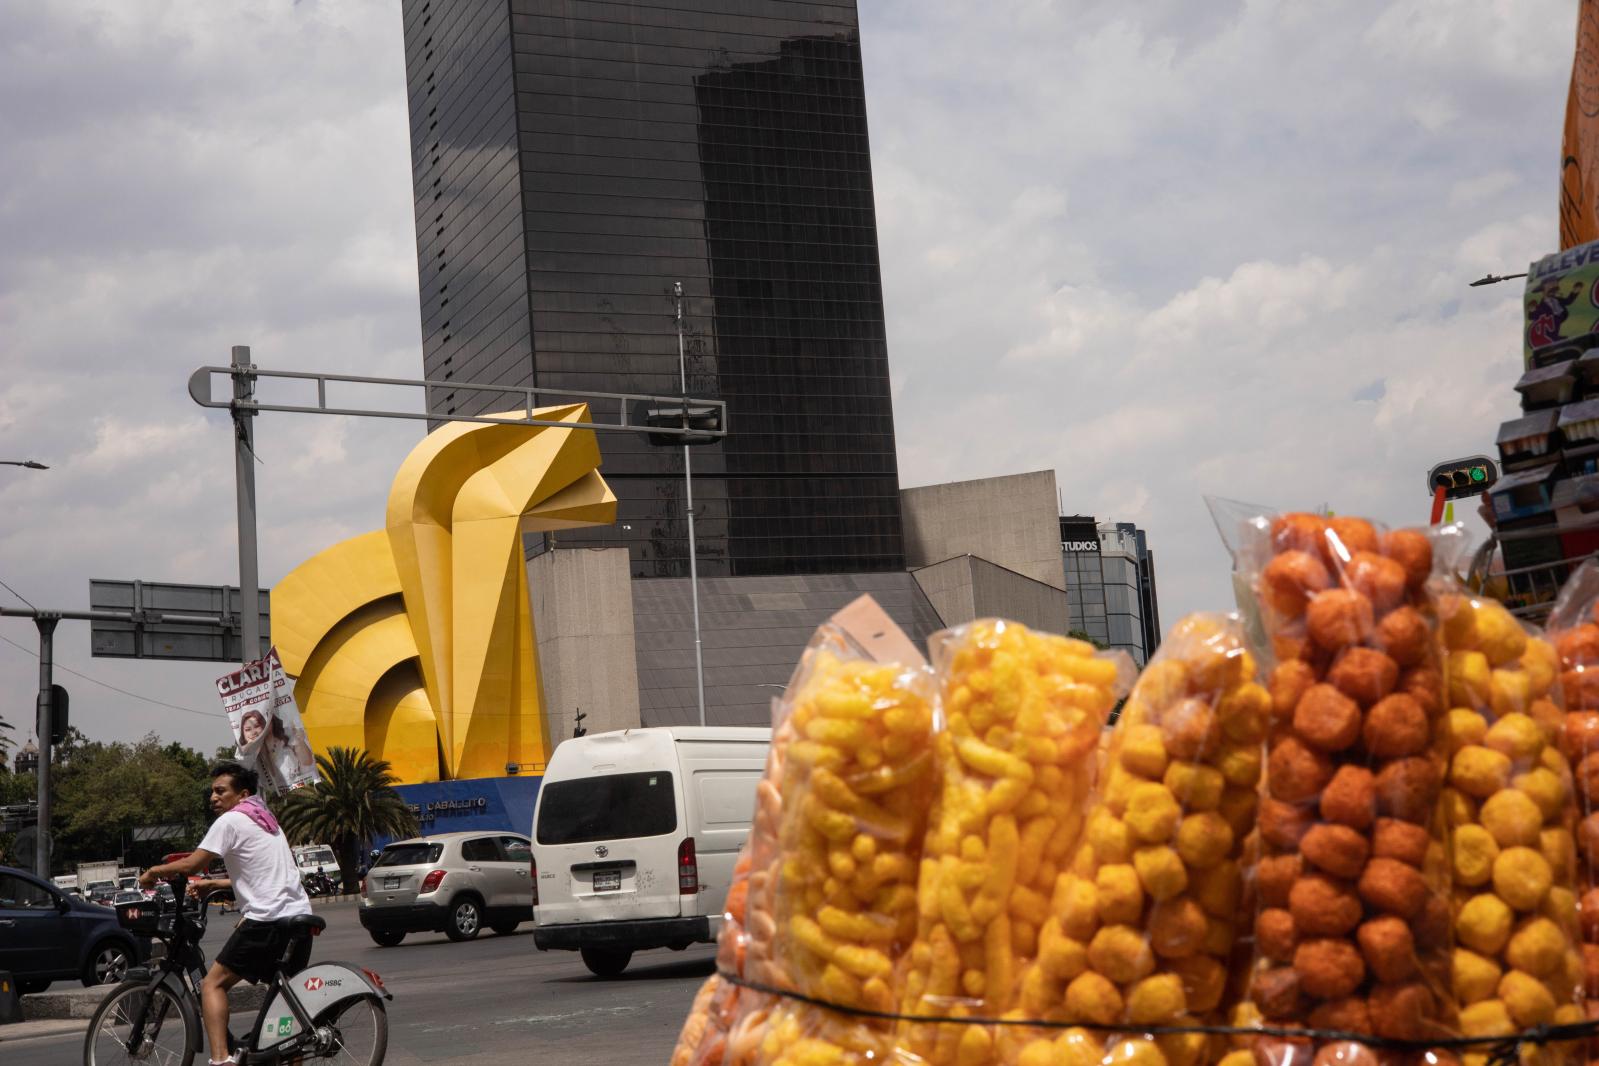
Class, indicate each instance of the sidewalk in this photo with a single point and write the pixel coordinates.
(53, 1012)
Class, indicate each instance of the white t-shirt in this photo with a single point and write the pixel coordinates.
(261, 866)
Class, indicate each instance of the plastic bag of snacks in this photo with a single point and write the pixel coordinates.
(830, 897)
(1353, 922)
(1574, 628)
(1145, 918)
(1510, 811)
(1023, 713)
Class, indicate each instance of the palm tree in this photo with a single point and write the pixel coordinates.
(354, 803)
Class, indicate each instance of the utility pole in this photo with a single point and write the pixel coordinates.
(46, 726)
(688, 492)
(244, 479)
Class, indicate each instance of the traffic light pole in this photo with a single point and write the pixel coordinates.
(244, 487)
(45, 718)
(41, 848)
(688, 492)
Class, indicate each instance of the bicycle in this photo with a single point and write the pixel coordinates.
(324, 1011)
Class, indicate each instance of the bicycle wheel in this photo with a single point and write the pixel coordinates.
(171, 1033)
(360, 1031)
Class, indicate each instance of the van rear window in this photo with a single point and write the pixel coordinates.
(613, 807)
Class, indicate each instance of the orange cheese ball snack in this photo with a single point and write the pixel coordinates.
(1129, 936)
(1359, 938)
(1023, 713)
(1512, 854)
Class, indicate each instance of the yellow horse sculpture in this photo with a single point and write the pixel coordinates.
(415, 642)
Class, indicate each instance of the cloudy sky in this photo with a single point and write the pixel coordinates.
(1166, 249)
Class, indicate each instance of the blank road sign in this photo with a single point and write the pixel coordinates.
(157, 638)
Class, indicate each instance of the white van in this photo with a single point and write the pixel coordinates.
(635, 835)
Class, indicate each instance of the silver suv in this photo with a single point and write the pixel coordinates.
(454, 883)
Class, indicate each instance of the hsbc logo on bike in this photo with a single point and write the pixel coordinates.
(313, 984)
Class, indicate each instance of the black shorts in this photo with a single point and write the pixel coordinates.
(255, 949)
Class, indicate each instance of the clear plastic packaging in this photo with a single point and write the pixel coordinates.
(1353, 923)
(1510, 811)
(1144, 921)
(1022, 716)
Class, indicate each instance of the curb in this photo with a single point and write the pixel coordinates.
(81, 1003)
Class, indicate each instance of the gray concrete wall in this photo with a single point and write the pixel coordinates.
(967, 587)
(1013, 521)
(948, 587)
(583, 622)
(754, 629)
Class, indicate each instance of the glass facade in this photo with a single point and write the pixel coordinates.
(572, 161)
(1110, 585)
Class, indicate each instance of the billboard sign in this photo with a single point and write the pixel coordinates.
(1561, 305)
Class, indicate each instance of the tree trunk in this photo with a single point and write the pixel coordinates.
(349, 851)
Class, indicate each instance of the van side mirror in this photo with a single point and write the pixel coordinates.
(63, 904)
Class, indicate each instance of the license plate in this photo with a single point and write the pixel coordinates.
(607, 880)
(391, 882)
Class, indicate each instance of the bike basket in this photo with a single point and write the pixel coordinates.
(142, 916)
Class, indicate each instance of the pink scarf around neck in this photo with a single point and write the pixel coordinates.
(255, 809)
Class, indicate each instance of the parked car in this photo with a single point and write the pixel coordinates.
(48, 935)
(635, 837)
(454, 883)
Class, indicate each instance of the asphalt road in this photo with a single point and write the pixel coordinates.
(495, 999)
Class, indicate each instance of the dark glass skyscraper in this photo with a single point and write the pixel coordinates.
(575, 158)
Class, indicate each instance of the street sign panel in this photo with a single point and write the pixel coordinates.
(180, 622)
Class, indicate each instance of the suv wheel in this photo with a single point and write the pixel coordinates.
(606, 962)
(386, 938)
(107, 964)
(466, 918)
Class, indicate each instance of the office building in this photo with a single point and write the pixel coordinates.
(1110, 584)
(572, 162)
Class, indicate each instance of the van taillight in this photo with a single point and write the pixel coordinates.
(431, 881)
(533, 875)
(688, 868)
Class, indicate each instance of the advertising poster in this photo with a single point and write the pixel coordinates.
(1561, 304)
(267, 731)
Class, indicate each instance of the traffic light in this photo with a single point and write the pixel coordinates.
(58, 714)
(704, 421)
(1460, 478)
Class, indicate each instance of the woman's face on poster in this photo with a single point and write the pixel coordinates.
(251, 728)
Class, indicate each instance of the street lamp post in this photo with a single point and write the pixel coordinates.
(688, 492)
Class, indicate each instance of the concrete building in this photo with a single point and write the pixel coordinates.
(1008, 520)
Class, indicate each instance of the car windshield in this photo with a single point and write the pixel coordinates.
(318, 857)
(612, 807)
(409, 854)
(101, 886)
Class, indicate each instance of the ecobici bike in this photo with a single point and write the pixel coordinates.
(331, 1010)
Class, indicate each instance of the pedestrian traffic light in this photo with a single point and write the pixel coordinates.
(1460, 478)
(58, 714)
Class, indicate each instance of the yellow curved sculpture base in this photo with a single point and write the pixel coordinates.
(416, 641)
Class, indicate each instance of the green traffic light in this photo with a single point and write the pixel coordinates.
(1479, 473)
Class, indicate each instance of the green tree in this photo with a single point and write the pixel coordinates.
(354, 803)
(104, 791)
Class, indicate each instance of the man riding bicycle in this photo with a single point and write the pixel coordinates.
(262, 876)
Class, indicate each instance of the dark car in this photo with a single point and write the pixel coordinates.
(47, 935)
